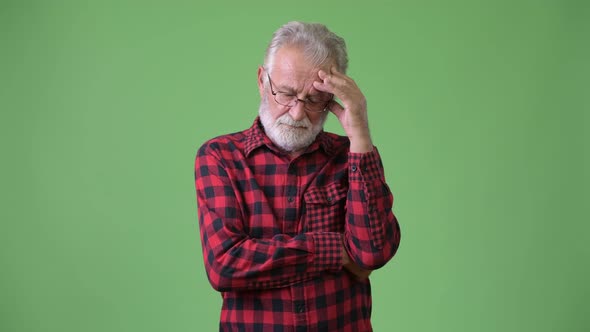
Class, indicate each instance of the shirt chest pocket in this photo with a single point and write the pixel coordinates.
(325, 208)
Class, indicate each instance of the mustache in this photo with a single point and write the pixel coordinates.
(288, 120)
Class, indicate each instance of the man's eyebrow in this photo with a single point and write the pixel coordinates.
(290, 89)
(285, 88)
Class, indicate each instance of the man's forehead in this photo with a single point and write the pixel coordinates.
(294, 70)
(295, 75)
(294, 79)
(291, 60)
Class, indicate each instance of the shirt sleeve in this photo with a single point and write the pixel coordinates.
(372, 233)
(235, 261)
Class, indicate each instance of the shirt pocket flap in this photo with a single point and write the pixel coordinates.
(329, 194)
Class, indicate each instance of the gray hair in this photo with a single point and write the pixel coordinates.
(317, 42)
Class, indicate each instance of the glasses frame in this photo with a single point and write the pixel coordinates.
(305, 102)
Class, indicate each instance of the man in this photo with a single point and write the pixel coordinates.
(294, 219)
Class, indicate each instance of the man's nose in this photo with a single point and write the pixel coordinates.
(297, 112)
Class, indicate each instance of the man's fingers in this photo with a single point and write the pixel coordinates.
(363, 275)
(335, 108)
(357, 272)
(321, 86)
(334, 71)
(337, 84)
(322, 74)
(329, 83)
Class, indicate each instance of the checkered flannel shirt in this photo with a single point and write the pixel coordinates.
(272, 231)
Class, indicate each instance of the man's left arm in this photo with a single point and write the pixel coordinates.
(372, 233)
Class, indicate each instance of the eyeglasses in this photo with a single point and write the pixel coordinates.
(315, 104)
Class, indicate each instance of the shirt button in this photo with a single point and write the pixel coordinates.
(290, 199)
(299, 306)
(353, 168)
(329, 198)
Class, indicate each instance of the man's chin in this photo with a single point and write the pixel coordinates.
(293, 148)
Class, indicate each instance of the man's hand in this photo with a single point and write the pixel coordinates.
(352, 114)
(352, 267)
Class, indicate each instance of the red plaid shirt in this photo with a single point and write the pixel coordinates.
(272, 231)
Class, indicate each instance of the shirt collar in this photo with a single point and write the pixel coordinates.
(256, 137)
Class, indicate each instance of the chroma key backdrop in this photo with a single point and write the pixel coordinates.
(479, 110)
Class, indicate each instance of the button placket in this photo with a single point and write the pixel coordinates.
(291, 198)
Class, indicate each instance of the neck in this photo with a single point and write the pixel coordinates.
(295, 154)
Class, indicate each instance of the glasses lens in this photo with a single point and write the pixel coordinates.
(315, 107)
(285, 99)
(318, 104)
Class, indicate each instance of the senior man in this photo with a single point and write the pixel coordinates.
(294, 219)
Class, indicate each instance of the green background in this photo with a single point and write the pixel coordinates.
(479, 109)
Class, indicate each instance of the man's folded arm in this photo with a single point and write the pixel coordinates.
(372, 233)
(236, 261)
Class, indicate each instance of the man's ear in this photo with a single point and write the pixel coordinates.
(261, 80)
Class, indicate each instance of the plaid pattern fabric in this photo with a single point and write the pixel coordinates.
(272, 231)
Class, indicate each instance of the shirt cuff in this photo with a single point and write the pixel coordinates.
(328, 252)
(365, 166)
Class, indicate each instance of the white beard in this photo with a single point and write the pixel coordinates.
(286, 133)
